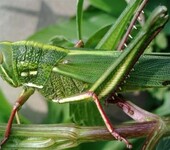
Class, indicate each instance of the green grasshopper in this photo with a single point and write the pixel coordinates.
(42, 67)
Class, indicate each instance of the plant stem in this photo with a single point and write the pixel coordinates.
(64, 136)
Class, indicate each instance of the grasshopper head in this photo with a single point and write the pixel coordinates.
(7, 71)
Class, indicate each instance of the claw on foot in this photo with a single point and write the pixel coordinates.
(107, 121)
(3, 141)
(120, 138)
(79, 44)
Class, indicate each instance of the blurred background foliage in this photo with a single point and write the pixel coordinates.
(99, 14)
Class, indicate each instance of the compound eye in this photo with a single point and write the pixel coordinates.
(1, 58)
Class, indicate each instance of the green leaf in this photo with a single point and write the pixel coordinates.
(164, 144)
(5, 108)
(85, 113)
(164, 108)
(92, 18)
(79, 16)
(95, 39)
(60, 41)
(57, 113)
(112, 7)
(115, 33)
(95, 146)
(112, 145)
(161, 41)
(66, 29)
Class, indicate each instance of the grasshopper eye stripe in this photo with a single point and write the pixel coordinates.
(33, 73)
(33, 85)
(25, 74)
(1, 58)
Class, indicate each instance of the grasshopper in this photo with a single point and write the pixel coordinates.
(36, 66)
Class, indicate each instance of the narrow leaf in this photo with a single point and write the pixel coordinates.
(115, 33)
(95, 38)
(79, 18)
(111, 7)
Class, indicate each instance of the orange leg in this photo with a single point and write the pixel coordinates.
(106, 120)
(21, 100)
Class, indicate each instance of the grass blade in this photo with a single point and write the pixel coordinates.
(79, 16)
